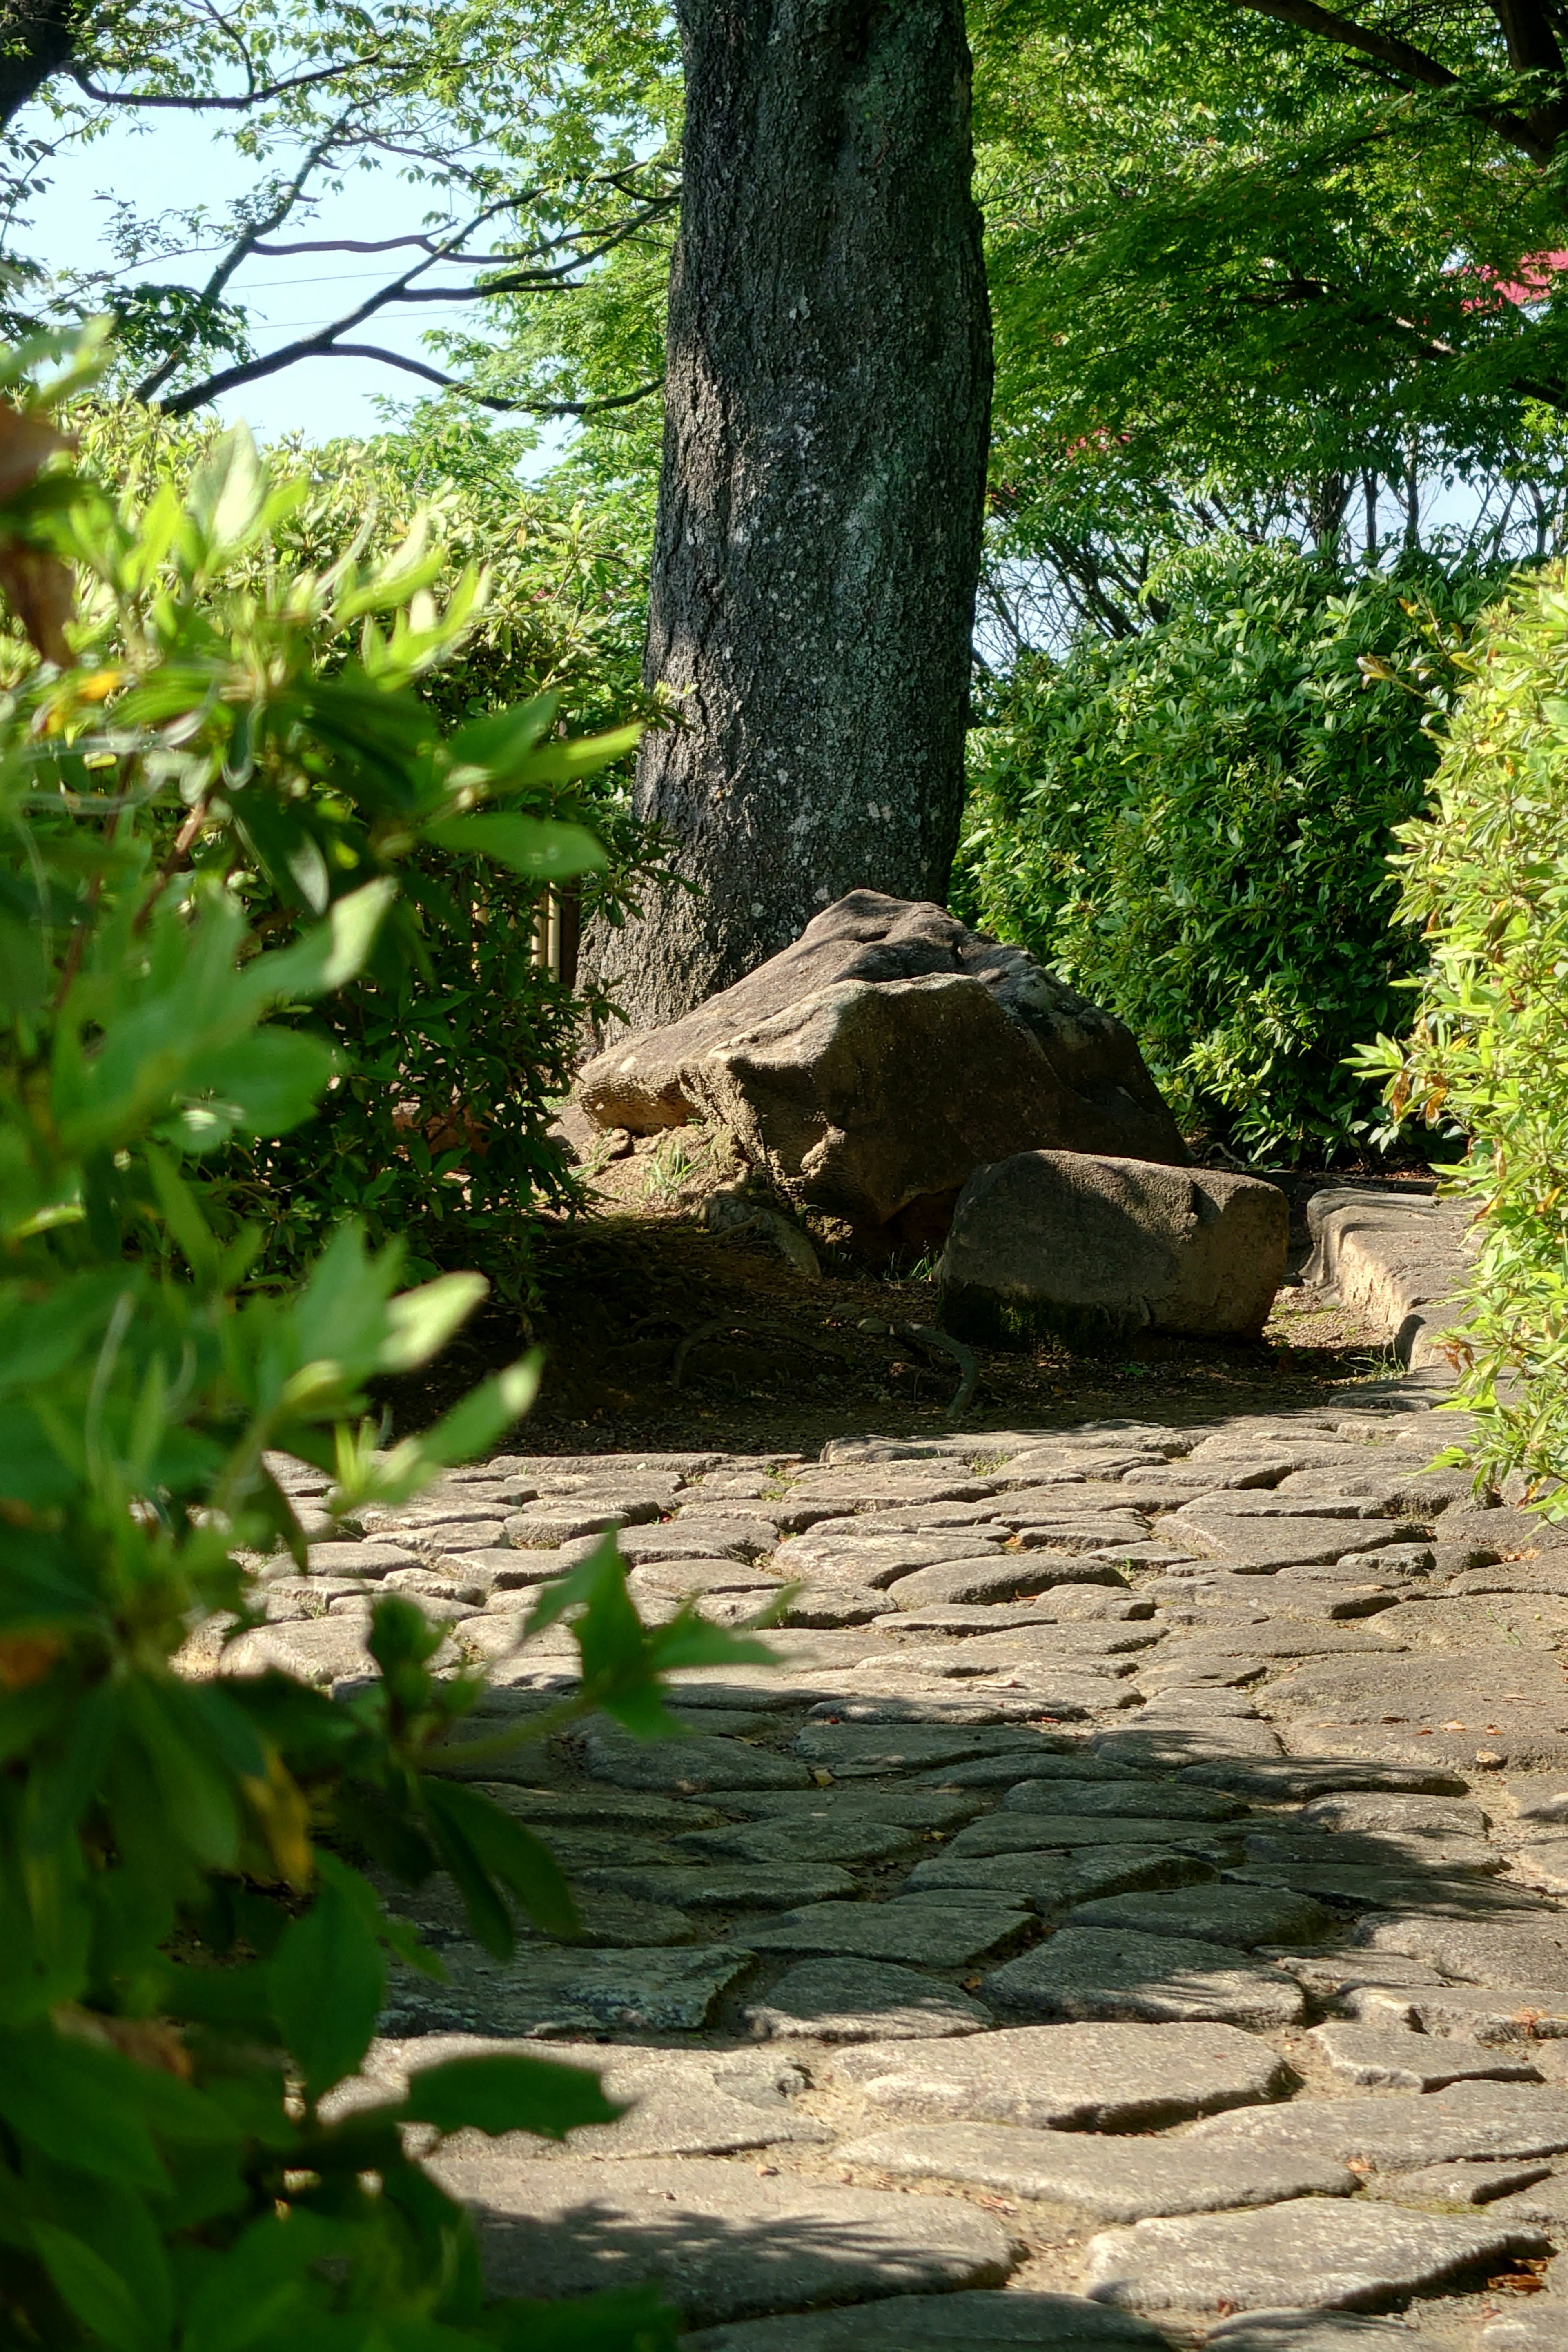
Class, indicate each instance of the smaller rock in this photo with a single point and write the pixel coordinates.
(849, 1748)
(1070, 2078)
(1498, 2014)
(1304, 2252)
(1469, 2184)
(687, 1767)
(999, 1576)
(1103, 1973)
(1314, 2331)
(1068, 1242)
(1239, 1916)
(787, 1843)
(921, 1930)
(861, 2001)
(1052, 1884)
(722, 2242)
(723, 1886)
(1378, 2060)
(945, 2323)
(1113, 2179)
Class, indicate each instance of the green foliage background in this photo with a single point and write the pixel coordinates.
(454, 1045)
(1192, 825)
(193, 1959)
(1486, 1060)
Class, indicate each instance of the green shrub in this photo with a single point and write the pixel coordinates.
(453, 1044)
(1483, 875)
(1191, 825)
(191, 1959)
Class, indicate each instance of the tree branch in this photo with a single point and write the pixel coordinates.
(217, 102)
(38, 40)
(325, 347)
(1404, 58)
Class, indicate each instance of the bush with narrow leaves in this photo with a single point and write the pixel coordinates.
(191, 1957)
(1484, 1065)
(1192, 825)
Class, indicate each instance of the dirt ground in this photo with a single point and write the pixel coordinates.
(662, 1334)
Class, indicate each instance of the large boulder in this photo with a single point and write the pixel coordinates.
(876, 1061)
(1093, 1247)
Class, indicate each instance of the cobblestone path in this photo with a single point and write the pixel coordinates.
(1128, 1915)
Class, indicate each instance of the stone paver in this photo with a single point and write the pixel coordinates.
(1070, 2077)
(1153, 1827)
(1112, 2178)
(724, 2243)
(948, 2323)
(1329, 2253)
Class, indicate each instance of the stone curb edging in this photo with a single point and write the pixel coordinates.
(1399, 1258)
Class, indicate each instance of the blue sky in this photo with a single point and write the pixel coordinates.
(175, 161)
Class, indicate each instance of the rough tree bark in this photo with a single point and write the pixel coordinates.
(37, 40)
(818, 539)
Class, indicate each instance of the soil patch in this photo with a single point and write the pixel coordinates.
(660, 1334)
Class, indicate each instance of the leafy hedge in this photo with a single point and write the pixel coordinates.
(1192, 824)
(1486, 1063)
(191, 1957)
(452, 1045)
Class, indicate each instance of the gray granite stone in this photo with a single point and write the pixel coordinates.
(723, 1886)
(1104, 1973)
(373, 1559)
(1162, 1738)
(945, 2323)
(917, 1808)
(1298, 1776)
(1543, 2205)
(1239, 1916)
(808, 1840)
(1530, 2329)
(1008, 1833)
(1377, 2058)
(923, 1931)
(1260, 1545)
(1532, 1948)
(1423, 1861)
(1304, 2252)
(1398, 1813)
(1052, 1884)
(1315, 2331)
(1076, 2078)
(579, 1808)
(1059, 1792)
(861, 2001)
(677, 2103)
(1398, 2131)
(1469, 2184)
(838, 1548)
(557, 1990)
(1112, 2178)
(687, 1767)
(1065, 1604)
(723, 2243)
(1493, 2015)
(696, 1534)
(1002, 1576)
(682, 1576)
(850, 1748)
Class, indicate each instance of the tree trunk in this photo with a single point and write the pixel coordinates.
(37, 40)
(820, 507)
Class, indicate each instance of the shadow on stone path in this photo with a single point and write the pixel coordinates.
(1128, 1914)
